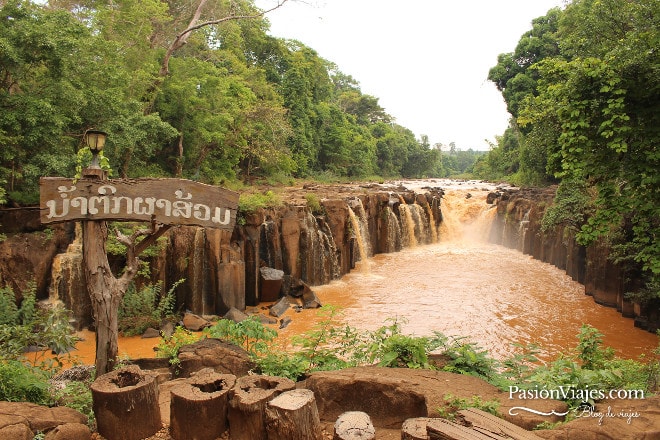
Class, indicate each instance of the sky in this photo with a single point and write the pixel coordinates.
(426, 61)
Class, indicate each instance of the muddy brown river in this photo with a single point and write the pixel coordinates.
(459, 286)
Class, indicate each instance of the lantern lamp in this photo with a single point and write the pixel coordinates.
(95, 140)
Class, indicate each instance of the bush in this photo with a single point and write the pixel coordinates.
(249, 203)
(9, 313)
(28, 326)
(78, 396)
(250, 334)
(467, 358)
(588, 366)
(169, 346)
(390, 348)
(20, 382)
(146, 308)
(314, 204)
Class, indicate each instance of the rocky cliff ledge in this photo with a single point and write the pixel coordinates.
(518, 226)
(274, 251)
(225, 270)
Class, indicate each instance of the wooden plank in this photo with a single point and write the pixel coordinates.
(441, 429)
(482, 420)
(166, 201)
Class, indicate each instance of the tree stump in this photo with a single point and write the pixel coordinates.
(293, 415)
(247, 407)
(415, 429)
(125, 403)
(354, 425)
(198, 407)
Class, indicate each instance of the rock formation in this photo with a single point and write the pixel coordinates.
(273, 252)
(518, 226)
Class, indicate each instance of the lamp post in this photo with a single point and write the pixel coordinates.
(98, 275)
(95, 140)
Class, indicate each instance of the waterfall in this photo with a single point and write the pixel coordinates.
(318, 256)
(393, 234)
(363, 223)
(433, 229)
(484, 224)
(523, 226)
(420, 222)
(450, 229)
(198, 268)
(362, 246)
(465, 217)
(407, 225)
(67, 287)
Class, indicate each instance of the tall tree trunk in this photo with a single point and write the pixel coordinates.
(179, 161)
(101, 285)
(105, 290)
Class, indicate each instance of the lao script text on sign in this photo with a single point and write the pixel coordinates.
(166, 201)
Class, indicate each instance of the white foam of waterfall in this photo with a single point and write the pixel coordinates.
(407, 225)
(362, 247)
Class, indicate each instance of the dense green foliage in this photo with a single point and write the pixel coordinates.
(146, 307)
(456, 162)
(583, 90)
(222, 102)
(331, 346)
(26, 325)
(20, 382)
(26, 332)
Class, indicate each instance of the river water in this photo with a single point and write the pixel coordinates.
(466, 287)
(460, 286)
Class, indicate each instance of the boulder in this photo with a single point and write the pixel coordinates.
(150, 333)
(392, 395)
(39, 418)
(271, 283)
(280, 307)
(284, 322)
(235, 315)
(15, 427)
(310, 300)
(167, 328)
(221, 356)
(265, 319)
(70, 431)
(388, 401)
(195, 323)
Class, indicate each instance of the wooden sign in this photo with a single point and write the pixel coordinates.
(166, 201)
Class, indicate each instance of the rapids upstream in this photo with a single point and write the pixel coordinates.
(460, 286)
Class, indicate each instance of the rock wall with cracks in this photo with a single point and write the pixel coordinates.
(518, 226)
(222, 269)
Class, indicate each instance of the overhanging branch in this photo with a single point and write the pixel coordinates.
(182, 38)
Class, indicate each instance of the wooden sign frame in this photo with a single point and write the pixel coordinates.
(166, 201)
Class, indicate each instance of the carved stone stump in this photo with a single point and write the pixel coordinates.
(125, 403)
(198, 407)
(354, 425)
(293, 415)
(415, 429)
(247, 407)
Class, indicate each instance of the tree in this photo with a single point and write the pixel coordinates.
(236, 11)
(106, 291)
(59, 78)
(512, 75)
(603, 103)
